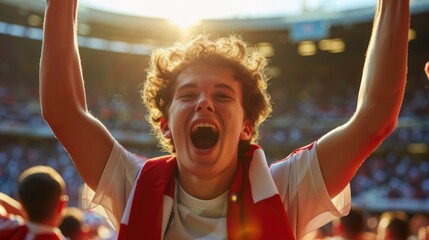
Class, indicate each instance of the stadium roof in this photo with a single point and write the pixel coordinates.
(323, 22)
(224, 14)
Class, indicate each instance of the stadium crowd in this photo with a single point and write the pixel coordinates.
(391, 171)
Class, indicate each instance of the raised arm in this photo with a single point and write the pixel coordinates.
(344, 149)
(62, 94)
(9, 205)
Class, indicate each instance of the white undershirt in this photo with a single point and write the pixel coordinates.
(197, 219)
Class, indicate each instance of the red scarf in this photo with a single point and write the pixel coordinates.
(247, 218)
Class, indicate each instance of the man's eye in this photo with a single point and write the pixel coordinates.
(222, 96)
(187, 95)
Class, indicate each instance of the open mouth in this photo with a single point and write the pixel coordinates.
(204, 136)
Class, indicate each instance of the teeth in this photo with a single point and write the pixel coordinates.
(194, 129)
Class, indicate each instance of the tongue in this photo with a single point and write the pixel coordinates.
(204, 138)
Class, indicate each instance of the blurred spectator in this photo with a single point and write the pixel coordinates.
(42, 193)
(393, 225)
(81, 224)
(418, 221)
(73, 225)
(352, 226)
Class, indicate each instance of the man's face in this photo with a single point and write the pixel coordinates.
(206, 120)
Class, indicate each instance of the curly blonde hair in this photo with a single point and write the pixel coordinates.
(230, 52)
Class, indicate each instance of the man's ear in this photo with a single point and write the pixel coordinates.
(164, 128)
(246, 133)
(60, 210)
(63, 202)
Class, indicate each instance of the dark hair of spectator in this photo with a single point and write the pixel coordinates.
(354, 222)
(397, 229)
(40, 188)
(71, 226)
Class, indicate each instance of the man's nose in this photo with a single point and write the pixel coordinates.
(204, 103)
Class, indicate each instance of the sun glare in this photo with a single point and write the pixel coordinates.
(185, 22)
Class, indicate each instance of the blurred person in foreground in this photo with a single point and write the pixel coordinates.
(84, 225)
(352, 226)
(418, 223)
(393, 225)
(42, 195)
(206, 100)
(73, 225)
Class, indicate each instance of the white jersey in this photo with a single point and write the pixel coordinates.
(298, 179)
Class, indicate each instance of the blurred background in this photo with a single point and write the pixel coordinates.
(316, 50)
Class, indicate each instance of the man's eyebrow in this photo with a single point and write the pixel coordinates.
(225, 86)
(193, 85)
(186, 85)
